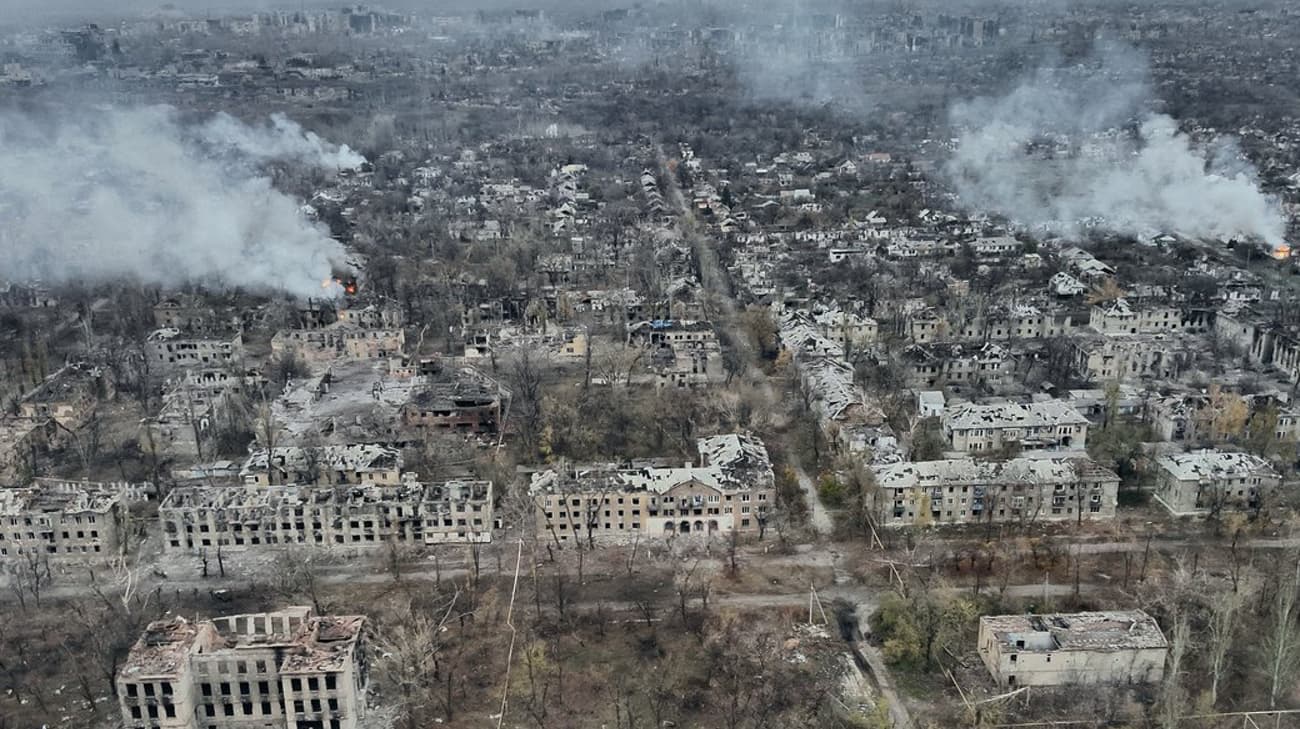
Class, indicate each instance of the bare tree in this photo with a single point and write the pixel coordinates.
(1280, 646)
(1224, 620)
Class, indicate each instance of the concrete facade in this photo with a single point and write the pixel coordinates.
(1082, 648)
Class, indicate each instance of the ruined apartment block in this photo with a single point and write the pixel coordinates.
(359, 464)
(288, 669)
(681, 353)
(190, 406)
(63, 519)
(171, 349)
(68, 396)
(964, 490)
(980, 428)
(199, 517)
(732, 489)
(1210, 482)
(1120, 647)
(458, 400)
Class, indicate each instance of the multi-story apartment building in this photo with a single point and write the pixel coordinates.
(1023, 489)
(1123, 647)
(1102, 358)
(198, 517)
(680, 353)
(732, 488)
(172, 349)
(978, 428)
(373, 343)
(465, 402)
(68, 396)
(373, 316)
(850, 330)
(190, 405)
(80, 519)
(21, 439)
(1121, 317)
(288, 669)
(1209, 481)
(358, 464)
(954, 363)
(1016, 321)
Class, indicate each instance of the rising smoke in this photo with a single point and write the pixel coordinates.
(1078, 146)
(281, 139)
(105, 193)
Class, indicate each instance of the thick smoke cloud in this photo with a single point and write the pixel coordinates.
(1074, 147)
(283, 138)
(103, 193)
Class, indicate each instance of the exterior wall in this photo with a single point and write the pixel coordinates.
(1087, 500)
(1138, 321)
(158, 702)
(1062, 667)
(992, 438)
(623, 513)
(239, 688)
(250, 685)
(473, 419)
(1231, 492)
(1124, 358)
(994, 371)
(87, 534)
(328, 699)
(178, 352)
(193, 528)
(374, 343)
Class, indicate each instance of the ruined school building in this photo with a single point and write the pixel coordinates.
(287, 669)
(732, 488)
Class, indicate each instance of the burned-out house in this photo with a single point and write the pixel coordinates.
(287, 669)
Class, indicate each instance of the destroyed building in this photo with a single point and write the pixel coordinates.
(172, 349)
(1020, 490)
(62, 519)
(460, 400)
(1120, 647)
(356, 465)
(288, 669)
(198, 517)
(1211, 481)
(191, 405)
(68, 396)
(976, 428)
(680, 353)
(732, 489)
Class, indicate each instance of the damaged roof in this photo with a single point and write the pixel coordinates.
(1097, 631)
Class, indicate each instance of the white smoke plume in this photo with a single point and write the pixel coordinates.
(283, 138)
(105, 193)
(1078, 146)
